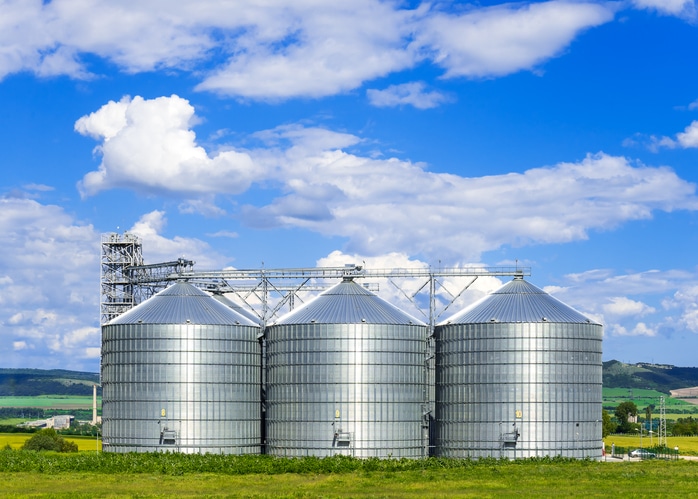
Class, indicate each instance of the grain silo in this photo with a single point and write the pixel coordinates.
(181, 373)
(345, 375)
(518, 374)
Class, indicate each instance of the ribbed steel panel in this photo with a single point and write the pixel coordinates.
(518, 301)
(540, 379)
(352, 389)
(191, 388)
(348, 303)
(179, 304)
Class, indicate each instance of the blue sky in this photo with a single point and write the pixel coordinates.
(559, 135)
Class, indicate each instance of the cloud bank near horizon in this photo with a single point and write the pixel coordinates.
(321, 182)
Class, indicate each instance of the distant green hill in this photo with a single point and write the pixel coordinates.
(660, 377)
(33, 382)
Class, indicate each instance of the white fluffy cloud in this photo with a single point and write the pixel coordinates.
(411, 94)
(507, 38)
(679, 8)
(316, 49)
(639, 304)
(620, 306)
(284, 48)
(379, 205)
(686, 301)
(19, 345)
(688, 139)
(640, 329)
(48, 274)
(148, 145)
(159, 248)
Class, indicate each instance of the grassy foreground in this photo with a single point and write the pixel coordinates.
(59, 476)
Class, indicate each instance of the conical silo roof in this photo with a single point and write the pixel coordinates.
(182, 303)
(239, 309)
(348, 303)
(518, 301)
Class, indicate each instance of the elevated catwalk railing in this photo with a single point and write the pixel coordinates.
(267, 292)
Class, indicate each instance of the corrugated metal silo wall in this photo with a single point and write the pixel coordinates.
(183, 388)
(541, 380)
(349, 389)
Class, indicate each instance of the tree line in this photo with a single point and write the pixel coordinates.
(626, 412)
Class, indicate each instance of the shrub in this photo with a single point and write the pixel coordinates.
(48, 439)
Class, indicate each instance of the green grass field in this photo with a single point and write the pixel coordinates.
(674, 416)
(642, 398)
(487, 479)
(50, 402)
(12, 421)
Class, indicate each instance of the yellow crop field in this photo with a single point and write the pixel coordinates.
(16, 440)
(686, 445)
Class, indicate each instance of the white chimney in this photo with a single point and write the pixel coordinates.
(94, 404)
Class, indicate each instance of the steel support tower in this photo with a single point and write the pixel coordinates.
(125, 280)
(662, 423)
(119, 253)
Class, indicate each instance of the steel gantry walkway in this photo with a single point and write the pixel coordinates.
(269, 292)
(127, 281)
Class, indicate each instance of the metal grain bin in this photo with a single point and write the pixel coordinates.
(345, 375)
(181, 372)
(518, 375)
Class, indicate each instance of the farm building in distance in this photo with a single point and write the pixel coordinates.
(61, 422)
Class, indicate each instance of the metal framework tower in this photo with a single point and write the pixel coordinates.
(662, 423)
(119, 253)
(125, 280)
